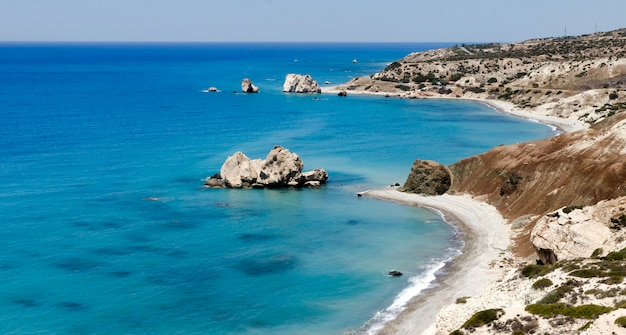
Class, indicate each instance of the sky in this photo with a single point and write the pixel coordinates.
(304, 21)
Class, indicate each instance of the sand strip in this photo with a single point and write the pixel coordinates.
(487, 240)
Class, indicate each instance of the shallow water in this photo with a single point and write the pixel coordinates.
(105, 224)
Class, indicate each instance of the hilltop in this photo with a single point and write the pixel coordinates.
(577, 78)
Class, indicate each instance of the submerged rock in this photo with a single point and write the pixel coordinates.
(394, 273)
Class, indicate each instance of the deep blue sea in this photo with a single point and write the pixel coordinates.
(105, 225)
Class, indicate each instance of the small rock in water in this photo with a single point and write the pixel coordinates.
(394, 273)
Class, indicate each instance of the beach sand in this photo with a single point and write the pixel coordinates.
(480, 267)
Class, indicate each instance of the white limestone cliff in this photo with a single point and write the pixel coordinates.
(298, 83)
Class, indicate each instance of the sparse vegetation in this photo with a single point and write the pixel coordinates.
(569, 209)
(579, 312)
(542, 284)
(535, 270)
(462, 300)
(555, 295)
(482, 318)
(621, 321)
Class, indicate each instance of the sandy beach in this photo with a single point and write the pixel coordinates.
(480, 267)
(485, 273)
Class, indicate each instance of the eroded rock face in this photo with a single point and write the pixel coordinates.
(239, 170)
(281, 168)
(427, 177)
(579, 232)
(248, 87)
(298, 83)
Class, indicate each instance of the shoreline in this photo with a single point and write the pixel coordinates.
(480, 265)
(561, 125)
(485, 259)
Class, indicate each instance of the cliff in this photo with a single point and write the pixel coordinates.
(534, 178)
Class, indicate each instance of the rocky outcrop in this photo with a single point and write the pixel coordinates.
(573, 232)
(239, 170)
(248, 87)
(281, 168)
(427, 177)
(298, 83)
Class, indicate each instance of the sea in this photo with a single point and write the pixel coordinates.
(106, 227)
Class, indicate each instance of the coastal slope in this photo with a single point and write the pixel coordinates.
(554, 195)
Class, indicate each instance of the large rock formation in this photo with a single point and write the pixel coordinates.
(281, 168)
(427, 177)
(572, 232)
(298, 83)
(248, 87)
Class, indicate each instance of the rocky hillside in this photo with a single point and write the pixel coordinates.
(564, 196)
(581, 78)
(529, 180)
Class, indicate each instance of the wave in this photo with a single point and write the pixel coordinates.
(417, 285)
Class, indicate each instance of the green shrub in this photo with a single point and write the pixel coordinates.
(586, 311)
(534, 270)
(546, 310)
(588, 273)
(518, 332)
(462, 300)
(555, 295)
(613, 280)
(616, 255)
(456, 332)
(542, 283)
(586, 326)
(568, 209)
(482, 318)
(613, 96)
(621, 321)
(456, 76)
(596, 253)
(579, 312)
(403, 87)
(492, 80)
(475, 89)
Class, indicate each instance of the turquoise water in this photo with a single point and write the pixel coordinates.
(106, 226)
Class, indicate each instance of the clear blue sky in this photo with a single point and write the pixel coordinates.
(311, 20)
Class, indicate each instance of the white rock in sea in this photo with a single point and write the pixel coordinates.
(248, 87)
(239, 170)
(281, 168)
(298, 83)
(319, 175)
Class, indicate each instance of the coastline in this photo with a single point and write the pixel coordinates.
(561, 125)
(478, 268)
(486, 259)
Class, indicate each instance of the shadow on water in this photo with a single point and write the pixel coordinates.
(261, 266)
